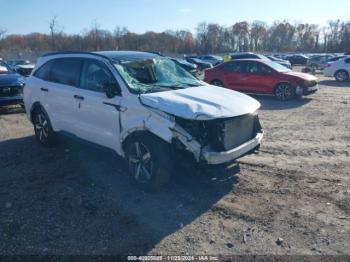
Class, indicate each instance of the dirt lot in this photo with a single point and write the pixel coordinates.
(75, 199)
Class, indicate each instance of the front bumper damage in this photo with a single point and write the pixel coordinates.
(214, 158)
(208, 156)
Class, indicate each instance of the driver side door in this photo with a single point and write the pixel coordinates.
(98, 115)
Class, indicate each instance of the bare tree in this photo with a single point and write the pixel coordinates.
(2, 32)
(54, 30)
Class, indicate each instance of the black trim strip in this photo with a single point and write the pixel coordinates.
(117, 107)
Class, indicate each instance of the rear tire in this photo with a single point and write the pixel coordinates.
(149, 160)
(284, 92)
(341, 76)
(43, 129)
(217, 83)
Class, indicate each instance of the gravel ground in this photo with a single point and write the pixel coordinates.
(76, 199)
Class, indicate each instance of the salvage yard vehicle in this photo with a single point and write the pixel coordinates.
(24, 70)
(144, 107)
(339, 69)
(318, 61)
(14, 63)
(11, 86)
(261, 77)
(202, 65)
(298, 59)
(250, 55)
(283, 62)
(212, 59)
(189, 67)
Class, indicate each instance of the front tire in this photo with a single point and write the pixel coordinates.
(341, 76)
(43, 129)
(284, 92)
(149, 161)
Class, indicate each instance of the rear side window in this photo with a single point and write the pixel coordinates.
(252, 67)
(44, 71)
(66, 71)
(234, 67)
(347, 60)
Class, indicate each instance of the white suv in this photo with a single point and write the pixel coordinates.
(144, 107)
(339, 69)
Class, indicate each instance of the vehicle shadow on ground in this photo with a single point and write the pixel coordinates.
(76, 199)
(7, 110)
(334, 83)
(271, 103)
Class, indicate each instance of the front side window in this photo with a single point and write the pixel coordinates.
(154, 75)
(66, 71)
(95, 75)
(44, 71)
(347, 60)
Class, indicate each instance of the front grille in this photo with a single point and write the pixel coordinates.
(9, 91)
(237, 131)
(223, 134)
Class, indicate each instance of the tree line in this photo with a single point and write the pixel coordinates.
(253, 36)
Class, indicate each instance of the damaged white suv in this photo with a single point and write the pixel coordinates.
(144, 107)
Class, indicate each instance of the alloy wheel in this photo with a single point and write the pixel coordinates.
(284, 92)
(42, 127)
(140, 162)
(341, 76)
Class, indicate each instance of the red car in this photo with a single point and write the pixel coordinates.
(262, 77)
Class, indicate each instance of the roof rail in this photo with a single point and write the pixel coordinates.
(73, 52)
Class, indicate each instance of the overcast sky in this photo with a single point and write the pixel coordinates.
(18, 16)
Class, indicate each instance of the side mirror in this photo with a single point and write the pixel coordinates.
(111, 89)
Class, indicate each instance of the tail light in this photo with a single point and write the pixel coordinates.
(328, 65)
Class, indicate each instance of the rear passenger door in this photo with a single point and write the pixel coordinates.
(234, 75)
(57, 93)
(98, 115)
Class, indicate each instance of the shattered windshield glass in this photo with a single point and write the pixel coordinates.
(154, 75)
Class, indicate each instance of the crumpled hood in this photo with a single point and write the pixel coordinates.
(201, 103)
(302, 76)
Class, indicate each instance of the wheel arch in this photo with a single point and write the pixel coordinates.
(137, 132)
(35, 106)
(341, 69)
